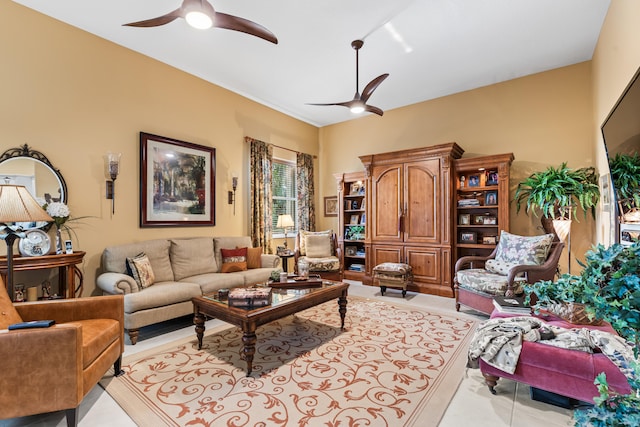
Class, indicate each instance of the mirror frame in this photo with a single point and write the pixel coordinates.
(25, 151)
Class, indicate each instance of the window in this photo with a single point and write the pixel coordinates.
(283, 188)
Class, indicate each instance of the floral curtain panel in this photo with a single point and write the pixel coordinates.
(260, 169)
(306, 192)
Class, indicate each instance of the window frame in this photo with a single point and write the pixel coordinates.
(279, 232)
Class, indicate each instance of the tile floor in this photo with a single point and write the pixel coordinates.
(472, 404)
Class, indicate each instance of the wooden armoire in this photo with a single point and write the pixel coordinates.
(409, 212)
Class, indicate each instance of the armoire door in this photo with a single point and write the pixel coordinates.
(422, 202)
(386, 199)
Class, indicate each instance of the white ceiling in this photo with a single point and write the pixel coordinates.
(457, 45)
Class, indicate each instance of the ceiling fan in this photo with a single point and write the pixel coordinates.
(201, 14)
(359, 102)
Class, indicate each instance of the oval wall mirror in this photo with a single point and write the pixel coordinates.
(31, 168)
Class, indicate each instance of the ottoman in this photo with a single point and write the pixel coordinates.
(393, 275)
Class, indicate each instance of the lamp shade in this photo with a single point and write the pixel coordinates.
(285, 221)
(17, 205)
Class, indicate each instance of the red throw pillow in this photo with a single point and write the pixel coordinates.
(233, 260)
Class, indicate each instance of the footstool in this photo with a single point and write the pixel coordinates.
(393, 275)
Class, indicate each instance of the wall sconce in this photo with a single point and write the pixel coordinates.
(232, 194)
(112, 168)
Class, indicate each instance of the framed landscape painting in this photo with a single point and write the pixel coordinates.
(177, 182)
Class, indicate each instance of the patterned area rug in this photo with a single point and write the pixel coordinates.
(394, 365)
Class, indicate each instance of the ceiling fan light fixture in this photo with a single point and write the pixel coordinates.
(198, 19)
(357, 108)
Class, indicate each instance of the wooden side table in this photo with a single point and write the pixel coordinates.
(284, 257)
(67, 270)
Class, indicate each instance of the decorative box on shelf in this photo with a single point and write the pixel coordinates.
(249, 297)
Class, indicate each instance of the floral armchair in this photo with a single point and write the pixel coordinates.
(320, 251)
(516, 260)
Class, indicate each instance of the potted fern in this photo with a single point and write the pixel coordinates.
(558, 192)
(625, 174)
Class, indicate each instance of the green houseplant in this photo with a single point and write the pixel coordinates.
(625, 175)
(609, 286)
(558, 192)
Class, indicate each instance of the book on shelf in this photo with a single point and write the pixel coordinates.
(512, 305)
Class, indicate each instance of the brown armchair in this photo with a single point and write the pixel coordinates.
(52, 369)
(475, 285)
(320, 250)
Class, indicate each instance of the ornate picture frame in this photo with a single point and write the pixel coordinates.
(331, 206)
(177, 183)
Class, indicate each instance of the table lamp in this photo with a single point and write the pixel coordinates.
(16, 205)
(285, 221)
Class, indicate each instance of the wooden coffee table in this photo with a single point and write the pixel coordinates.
(283, 303)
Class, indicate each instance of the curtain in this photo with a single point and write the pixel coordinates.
(306, 192)
(260, 169)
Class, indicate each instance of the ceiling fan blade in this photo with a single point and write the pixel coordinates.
(372, 109)
(373, 84)
(229, 22)
(156, 22)
(341, 104)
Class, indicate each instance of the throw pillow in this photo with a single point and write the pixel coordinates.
(140, 269)
(8, 313)
(303, 239)
(234, 260)
(499, 267)
(318, 245)
(523, 250)
(254, 257)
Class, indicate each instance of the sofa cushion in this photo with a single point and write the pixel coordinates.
(190, 257)
(140, 269)
(523, 250)
(230, 242)
(161, 294)
(211, 282)
(254, 258)
(8, 313)
(234, 260)
(114, 258)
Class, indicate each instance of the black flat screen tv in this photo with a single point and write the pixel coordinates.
(621, 131)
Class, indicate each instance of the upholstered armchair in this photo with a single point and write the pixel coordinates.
(515, 260)
(52, 369)
(320, 251)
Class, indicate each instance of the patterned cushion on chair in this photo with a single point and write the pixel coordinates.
(481, 280)
(330, 263)
(499, 267)
(392, 268)
(523, 250)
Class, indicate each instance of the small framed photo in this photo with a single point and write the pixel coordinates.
(489, 220)
(492, 178)
(363, 219)
(351, 250)
(355, 189)
(68, 246)
(474, 180)
(355, 205)
(491, 198)
(478, 219)
(489, 240)
(355, 219)
(464, 219)
(468, 237)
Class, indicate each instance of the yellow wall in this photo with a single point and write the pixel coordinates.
(615, 60)
(75, 96)
(543, 119)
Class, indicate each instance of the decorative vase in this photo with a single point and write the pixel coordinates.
(58, 242)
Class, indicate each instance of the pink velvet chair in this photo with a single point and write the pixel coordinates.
(569, 373)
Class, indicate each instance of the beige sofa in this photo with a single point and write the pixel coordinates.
(183, 268)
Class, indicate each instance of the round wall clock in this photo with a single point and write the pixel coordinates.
(35, 243)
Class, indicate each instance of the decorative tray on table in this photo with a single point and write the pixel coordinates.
(298, 282)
